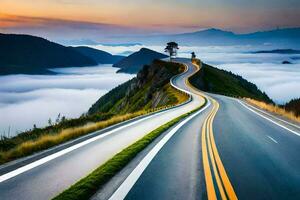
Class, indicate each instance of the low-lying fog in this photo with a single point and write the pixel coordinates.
(33, 99)
(280, 81)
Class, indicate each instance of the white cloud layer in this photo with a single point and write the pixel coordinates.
(281, 82)
(27, 99)
(33, 99)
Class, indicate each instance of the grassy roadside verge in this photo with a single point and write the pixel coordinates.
(63, 130)
(88, 185)
(274, 109)
(46, 141)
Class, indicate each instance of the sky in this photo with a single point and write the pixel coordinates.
(144, 16)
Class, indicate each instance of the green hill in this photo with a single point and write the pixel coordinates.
(150, 89)
(211, 79)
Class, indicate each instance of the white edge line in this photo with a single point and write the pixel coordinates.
(46, 159)
(129, 182)
(272, 139)
(292, 131)
(65, 151)
(273, 116)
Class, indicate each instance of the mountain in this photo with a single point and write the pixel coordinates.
(99, 56)
(134, 62)
(280, 51)
(148, 90)
(211, 79)
(280, 37)
(33, 55)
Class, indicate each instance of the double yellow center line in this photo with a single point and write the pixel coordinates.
(212, 164)
(216, 178)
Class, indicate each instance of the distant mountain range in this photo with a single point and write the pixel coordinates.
(135, 62)
(34, 55)
(283, 38)
(288, 36)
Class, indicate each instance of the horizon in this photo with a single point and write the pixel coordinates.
(108, 41)
(101, 19)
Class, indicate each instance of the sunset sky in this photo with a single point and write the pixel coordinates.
(146, 16)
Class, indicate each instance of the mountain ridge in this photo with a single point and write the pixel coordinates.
(27, 54)
(214, 36)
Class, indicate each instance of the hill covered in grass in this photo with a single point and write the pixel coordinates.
(211, 79)
(148, 92)
(135, 62)
(150, 89)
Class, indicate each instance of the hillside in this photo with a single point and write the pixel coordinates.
(150, 89)
(134, 62)
(211, 79)
(101, 57)
(33, 55)
(293, 106)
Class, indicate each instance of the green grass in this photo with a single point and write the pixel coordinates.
(118, 106)
(88, 185)
(140, 92)
(211, 79)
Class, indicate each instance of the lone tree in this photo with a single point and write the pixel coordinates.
(193, 56)
(172, 48)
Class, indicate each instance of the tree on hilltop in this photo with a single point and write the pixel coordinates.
(172, 48)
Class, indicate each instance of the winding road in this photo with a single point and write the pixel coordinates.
(226, 150)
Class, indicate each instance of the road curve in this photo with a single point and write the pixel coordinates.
(46, 177)
(228, 152)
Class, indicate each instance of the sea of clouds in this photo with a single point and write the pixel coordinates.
(280, 81)
(33, 99)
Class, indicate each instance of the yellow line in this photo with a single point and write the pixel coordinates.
(211, 193)
(219, 183)
(213, 155)
(228, 187)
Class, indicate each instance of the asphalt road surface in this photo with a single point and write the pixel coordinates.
(47, 177)
(231, 151)
(228, 151)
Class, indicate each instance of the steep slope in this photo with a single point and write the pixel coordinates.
(134, 62)
(99, 56)
(150, 89)
(33, 55)
(211, 79)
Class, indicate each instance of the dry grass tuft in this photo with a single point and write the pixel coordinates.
(47, 141)
(52, 139)
(274, 109)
